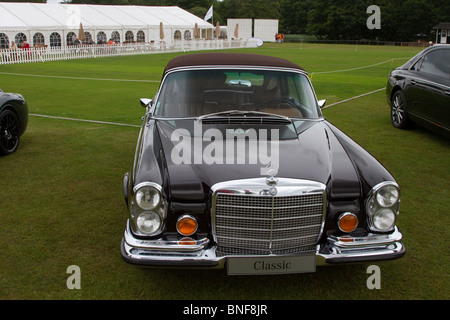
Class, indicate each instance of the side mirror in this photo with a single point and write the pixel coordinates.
(146, 103)
(322, 103)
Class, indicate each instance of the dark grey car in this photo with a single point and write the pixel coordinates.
(419, 91)
(13, 121)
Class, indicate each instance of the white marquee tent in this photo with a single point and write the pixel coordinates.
(57, 25)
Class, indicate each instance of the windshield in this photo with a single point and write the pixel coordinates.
(196, 93)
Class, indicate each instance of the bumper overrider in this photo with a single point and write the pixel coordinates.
(202, 254)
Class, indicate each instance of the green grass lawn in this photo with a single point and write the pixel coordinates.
(62, 201)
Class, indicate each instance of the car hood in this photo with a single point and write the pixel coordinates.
(306, 150)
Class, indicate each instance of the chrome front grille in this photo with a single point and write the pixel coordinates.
(245, 220)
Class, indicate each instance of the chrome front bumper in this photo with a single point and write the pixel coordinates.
(202, 253)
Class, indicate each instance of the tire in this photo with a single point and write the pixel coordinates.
(9, 132)
(399, 115)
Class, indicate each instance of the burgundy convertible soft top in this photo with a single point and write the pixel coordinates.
(229, 59)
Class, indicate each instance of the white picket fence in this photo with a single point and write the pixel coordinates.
(42, 54)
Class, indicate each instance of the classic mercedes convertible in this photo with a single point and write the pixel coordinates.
(236, 167)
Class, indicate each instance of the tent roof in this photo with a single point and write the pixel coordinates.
(41, 16)
(442, 25)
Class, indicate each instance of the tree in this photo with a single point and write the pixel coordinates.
(338, 19)
(248, 9)
(294, 16)
(401, 20)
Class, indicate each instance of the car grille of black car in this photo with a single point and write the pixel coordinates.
(250, 224)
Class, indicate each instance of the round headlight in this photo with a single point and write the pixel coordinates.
(148, 222)
(387, 196)
(148, 197)
(384, 219)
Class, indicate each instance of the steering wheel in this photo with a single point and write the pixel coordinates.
(292, 104)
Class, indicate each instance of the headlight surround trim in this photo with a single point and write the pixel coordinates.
(383, 197)
(138, 211)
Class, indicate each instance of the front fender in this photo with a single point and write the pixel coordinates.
(370, 170)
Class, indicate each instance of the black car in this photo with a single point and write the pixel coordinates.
(13, 121)
(236, 167)
(419, 91)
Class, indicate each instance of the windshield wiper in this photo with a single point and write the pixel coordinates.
(242, 113)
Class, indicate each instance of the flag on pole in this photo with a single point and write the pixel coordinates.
(209, 14)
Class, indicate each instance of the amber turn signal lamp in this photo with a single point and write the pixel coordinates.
(187, 225)
(347, 222)
(187, 241)
(346, 238)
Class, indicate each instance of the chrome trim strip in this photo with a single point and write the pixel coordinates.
(421, 80)
(253, 186)
(391, 251)
(235, 67)
(369, 240)
(147, 184)
(203, 254)
(288, 207)
(382, 184)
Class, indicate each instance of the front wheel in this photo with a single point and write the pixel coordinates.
(399, 115)
(9, 132)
